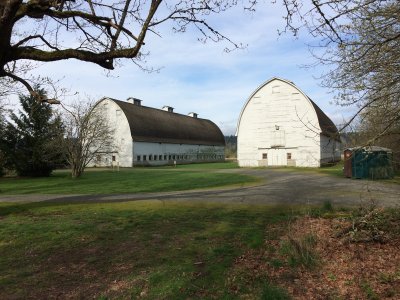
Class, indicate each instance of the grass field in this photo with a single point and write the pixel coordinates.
(155, 250)
(132, 180)
(128, 250)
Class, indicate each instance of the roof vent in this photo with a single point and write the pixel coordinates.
(168, 108)
(134, 101)
(193, 115)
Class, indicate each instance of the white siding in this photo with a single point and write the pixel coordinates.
(181, 153)
(330, 150)
(278, 120)
(122, 136)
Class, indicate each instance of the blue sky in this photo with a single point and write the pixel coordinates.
(201, 77)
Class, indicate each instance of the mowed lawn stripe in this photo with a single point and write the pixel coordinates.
(143, 180)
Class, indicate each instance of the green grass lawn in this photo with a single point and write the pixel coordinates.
(333, 170)
(211, 166)
(132, 180)
(128, 250)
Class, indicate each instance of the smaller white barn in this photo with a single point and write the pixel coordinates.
(149, 136)
(280, 125)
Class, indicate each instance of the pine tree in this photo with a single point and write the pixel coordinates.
(31, 142)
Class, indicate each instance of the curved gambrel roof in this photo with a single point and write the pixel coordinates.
(328, 128)
(149, 124)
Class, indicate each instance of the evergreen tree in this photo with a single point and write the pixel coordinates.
(31, 142)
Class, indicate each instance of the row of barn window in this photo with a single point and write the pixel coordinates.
(178, 157)
(288, 155)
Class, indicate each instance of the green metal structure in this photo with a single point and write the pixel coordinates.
(371, 162)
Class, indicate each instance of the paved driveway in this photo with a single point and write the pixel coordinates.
(277, 186)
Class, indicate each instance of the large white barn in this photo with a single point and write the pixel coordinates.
(149, 136)
(279, 125)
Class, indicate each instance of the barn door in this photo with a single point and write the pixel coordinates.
(277, 157)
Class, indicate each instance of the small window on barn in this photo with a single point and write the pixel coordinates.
(138, 158)
(165, 157)
(173, 156)
(144, 157)
(155, 157)
(289, 155)
(265, 156)
(275, 89)
(113, 158)
(160, 157)
(169, 157)
(150, 157)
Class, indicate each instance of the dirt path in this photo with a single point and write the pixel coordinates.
(277, 187)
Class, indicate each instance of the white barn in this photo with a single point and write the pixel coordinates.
(279, 125)
(149, 136)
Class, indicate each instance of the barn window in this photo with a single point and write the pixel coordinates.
(169, 157)
(173, 156)
(165, 157)
(150, 157)
(138, 158)
(155, 157)
(265, 156)
(289, 155)
(160, 157)
(113, 158)
(279, 139)
(275, 89)
(144, 157)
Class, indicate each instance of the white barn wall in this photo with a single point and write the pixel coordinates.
(122, 143)
(181, 153)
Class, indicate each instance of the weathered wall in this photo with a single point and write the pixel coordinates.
(330, 150)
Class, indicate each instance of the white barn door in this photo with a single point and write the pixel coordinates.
(277, 157)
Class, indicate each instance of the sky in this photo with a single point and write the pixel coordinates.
(203, 78)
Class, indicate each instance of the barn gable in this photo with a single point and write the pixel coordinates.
(280, 125)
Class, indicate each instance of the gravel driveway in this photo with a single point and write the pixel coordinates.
(278, 186)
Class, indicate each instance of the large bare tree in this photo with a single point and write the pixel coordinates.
(359, 41)
(95, 31)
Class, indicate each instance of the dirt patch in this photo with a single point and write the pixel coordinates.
(341, 270)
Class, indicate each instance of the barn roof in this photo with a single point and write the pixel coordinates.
(149, 124)
(328, 128)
